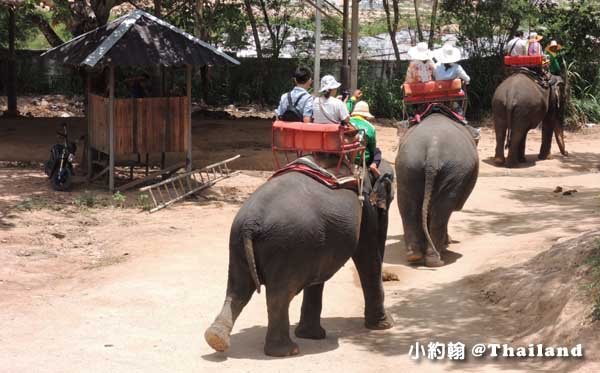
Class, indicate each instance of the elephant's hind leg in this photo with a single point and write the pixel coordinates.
(522, 147)
(278, 342)
(310, 319)
(239, 291)
(500, 129)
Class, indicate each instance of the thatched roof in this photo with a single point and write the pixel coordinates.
(137, 39)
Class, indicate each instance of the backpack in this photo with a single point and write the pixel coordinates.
(292, 114)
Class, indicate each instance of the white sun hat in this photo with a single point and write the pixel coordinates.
(328, 82)
(420, 52)
(362, 109)
(447, 54)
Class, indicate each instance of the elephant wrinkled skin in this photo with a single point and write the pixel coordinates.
(519, 105)
(293, 234)
(436, 169)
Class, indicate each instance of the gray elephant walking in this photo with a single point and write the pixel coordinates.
(519, 105)
(436, 169)
(293, 234)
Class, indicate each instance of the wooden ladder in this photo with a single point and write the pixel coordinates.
(178, 187)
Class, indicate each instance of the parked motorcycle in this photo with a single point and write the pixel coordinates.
(59, 167)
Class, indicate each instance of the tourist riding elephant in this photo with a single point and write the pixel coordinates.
(436, 169)
(293, 234)
(519, 105)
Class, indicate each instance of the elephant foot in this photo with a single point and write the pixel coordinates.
(522, 160)
(281, 348)
(310, 331)
(386, 322)
(432, 259)
(217, 337)
(499, 161)
(543, 157)
(565, 153)
(413, 256)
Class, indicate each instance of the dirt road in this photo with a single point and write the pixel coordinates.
(137, 291)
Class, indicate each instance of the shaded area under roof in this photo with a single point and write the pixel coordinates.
(137, 39)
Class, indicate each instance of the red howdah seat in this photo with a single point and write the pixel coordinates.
(523, 60)
(304, 138)
(432, 91)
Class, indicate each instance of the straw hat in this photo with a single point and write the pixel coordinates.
(420, 52)
(447, 54)
(328, 82)
(553, 44)
(533, 36)
(362, 109)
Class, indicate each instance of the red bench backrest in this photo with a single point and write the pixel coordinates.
(523, 60)
(434, 87)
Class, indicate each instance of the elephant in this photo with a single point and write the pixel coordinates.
(293, 234)
(436, 170)
(519, 105)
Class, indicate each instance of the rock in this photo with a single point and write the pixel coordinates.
(389, 276)
(60, 236)
(558, 189)
(43, 102)
(569, 192)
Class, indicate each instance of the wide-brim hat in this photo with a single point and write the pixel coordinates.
(328, 82)
(554, 44)
(420, 52)
(447, 54)
(534, 36)
(362, 109)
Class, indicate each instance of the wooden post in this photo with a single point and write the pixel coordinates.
(88, 84)
(188, 78)
(344, 71)
(354, 47)
(317, 71)
(111, 129)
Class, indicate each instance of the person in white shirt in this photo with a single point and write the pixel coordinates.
(327, 108)
(517, 46)
(447, 67)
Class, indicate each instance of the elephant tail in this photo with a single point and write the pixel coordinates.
(431, 171)
(249, 251)
(508, 129)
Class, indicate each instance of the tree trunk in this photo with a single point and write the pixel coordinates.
(392, 27)
(11, 84)
(275, 49)
(252, 20)
(158, 8)
(434, 9)
(418, 18)
(42, 24)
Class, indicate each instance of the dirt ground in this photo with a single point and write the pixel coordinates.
(87, 285)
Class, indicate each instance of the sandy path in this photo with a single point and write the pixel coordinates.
(148, 313)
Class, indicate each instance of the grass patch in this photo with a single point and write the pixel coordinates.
(594, 285)
(37, 203)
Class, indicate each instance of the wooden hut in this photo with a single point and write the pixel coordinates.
(121, 126)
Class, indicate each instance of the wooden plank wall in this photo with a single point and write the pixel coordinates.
(143, 125)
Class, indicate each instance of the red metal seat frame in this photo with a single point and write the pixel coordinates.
(436, 97)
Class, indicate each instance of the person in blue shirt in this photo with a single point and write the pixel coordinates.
(447, 67)
(301, 108)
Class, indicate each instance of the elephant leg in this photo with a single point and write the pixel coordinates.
(310, 317)
(414, 238)
(546, 140)
(278, 342)
(500, 129)
(559, 133)
(522, 147)
(240, 288)
(369, 263)
(517, 140)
